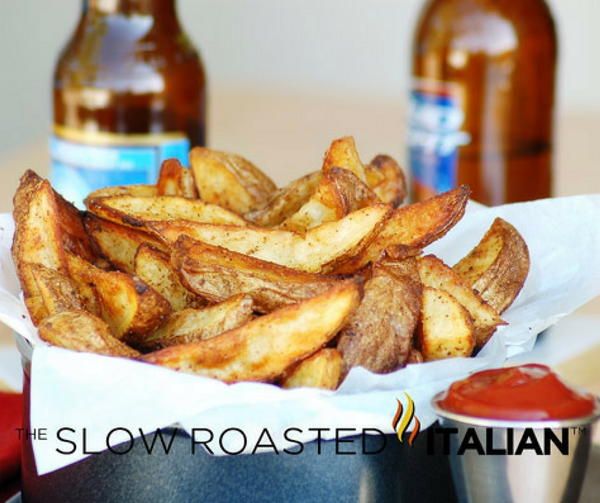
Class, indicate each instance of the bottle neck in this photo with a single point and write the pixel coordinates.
(155, 8)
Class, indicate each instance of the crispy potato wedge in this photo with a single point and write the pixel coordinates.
(38, 237)
(412, 227)
(118, 243)
(193, 325)
(139, 190)
(434, 273)
(285, 201)
(230, 180)
(387, 180)
(498, 266)
(319, 250)
(342, 153)
(176, 180)
(379, 334)
(262, 349)
(446, 327)
(82, 331)
(130, 307)
(339, 192)
(57, 291)
(323, 370)
(217, 273)
(154, 268)
(137, 212)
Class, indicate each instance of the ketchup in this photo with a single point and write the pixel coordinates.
(528, 392)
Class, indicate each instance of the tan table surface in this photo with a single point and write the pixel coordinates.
(286, 135)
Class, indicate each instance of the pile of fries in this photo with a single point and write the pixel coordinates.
(217, 272)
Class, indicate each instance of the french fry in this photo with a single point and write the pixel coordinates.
(342, 153)
(217, 273)
(386, 179)
(175, 180)
(262, 349)
(230, 180)
(323, 370)
(56, 290)
(139, 190)
(319, 250)
(154, 268)
(193, 325)
(138, 212)
(285, 201)
(436, 274)
(118, 243)
(498, 266)
(82, 331)
(412, 227)
(379, 334)
(130, 307)
(447, 330)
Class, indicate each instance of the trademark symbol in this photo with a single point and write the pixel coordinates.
(578, 430)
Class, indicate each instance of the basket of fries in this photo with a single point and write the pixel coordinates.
(254, 321)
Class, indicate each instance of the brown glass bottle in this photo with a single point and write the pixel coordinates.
(129, 90)
(482, 101)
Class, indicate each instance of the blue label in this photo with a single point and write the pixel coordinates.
(434, 138)
(79, 168)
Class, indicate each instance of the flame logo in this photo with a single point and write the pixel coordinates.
(401, 421)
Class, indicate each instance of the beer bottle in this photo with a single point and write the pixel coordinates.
(481, 105)
(129, 91)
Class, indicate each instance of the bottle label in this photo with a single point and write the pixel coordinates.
(84, 161)
(434, 137)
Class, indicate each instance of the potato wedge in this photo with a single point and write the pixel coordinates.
(342, 153)
(319, 250)
(339, 192)
(193, 325)
(139, 190)
(154, 268)
(262, 349)
(136, 212)
(413, 227)
(436, 274)
(386, 179)
(57, 291)
(230, 180)
(130, 307)
(38, 237)
(498, 266)
(323, 370)
(285, 201)
(82, 331)
(217, 273)
(175, 180)
(118, 243)
(379, 334)
(446, 327)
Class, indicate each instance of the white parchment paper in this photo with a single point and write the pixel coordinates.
(99, 393)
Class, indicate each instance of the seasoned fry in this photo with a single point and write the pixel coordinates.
(319, 250)
(323, 370)
(387, 180)
(436, 274)
(447, 329)
(56, 290)
(118, 243)
(123, 190)
(193, 325)
(285, 201)
(262, 349)
(175, 180)
(230, 180)
(130, 307)
(413, 227)
(342, 153)
(379, 334)
(138, 212)
(154, 267)
(498, 266)
(217, 273)
(81, 331)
